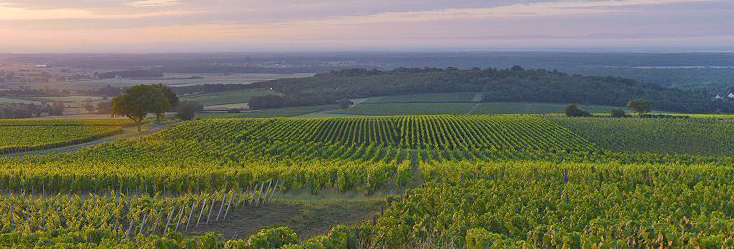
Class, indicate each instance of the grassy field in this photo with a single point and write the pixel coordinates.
(710, 137)
(532, 108)
(224, 98)
(393, 109)
(458, 97)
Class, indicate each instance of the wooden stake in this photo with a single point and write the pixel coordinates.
(12, 224)
(209, 215)
(168, 221)
(142, 225)
(158, 218)
(203, 204)
(180, 216)
(228, 205)
(221, 205)
(127, 233)
(280, 191)
(193, 205)
(267, 191)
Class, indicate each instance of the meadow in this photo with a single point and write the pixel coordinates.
(435, 181)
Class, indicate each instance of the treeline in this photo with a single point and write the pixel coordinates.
(208, 88)
(18, 110)
(34, 93)
(131, 74)
(507, 85)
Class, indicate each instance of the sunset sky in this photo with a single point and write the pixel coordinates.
(31, 26)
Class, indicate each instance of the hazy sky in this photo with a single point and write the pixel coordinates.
(28, 26)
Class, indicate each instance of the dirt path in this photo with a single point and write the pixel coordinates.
(128, 133)
(306, 219)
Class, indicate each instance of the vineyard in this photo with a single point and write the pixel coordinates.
(709, 137)
(24, 135)
(508, 181)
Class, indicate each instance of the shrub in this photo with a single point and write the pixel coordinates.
(618, 113)
(273, 237)
(575, 111)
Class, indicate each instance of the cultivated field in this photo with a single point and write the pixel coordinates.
(436, 181)
(26, 135)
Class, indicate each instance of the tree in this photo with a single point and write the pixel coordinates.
(344, 103)
(575, 111)
(267, 101)
(640, 106)
(618, 113)
(89, 107)
(138, 102)
(170, 96)
(104, 107)
(57, 109)
(187, 110)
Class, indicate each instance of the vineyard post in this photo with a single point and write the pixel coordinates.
(267, 192)
(228, 205)
(221, 205)
(255, 191)
(168, 221)
(252, 196)
(260, 194)
(180, 216)
(142, 224)
(129, 227)
(191, 212)
(270, 193)
(209, 215)
(155, 226)
(280, 191)
(277, 183)
(247, 200)
(203, 204)
(12, 224)
(43, 217)
(239, 196)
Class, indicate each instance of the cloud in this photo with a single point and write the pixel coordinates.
(212, 24)
(19, 14)
(153, 3)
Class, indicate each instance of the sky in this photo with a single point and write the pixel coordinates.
(159, 26)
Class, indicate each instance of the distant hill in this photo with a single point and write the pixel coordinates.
(498, 85)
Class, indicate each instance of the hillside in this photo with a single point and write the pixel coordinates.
(497, 85)
(518, 181)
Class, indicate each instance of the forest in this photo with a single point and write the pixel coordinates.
(513, 84)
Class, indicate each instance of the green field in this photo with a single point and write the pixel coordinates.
(395, 109)
(430, 181)
(4, 100)
(224, 98)
(532, 108)
(459, 97)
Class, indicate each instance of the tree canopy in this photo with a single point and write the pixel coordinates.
(640, 106)
(139, 101)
